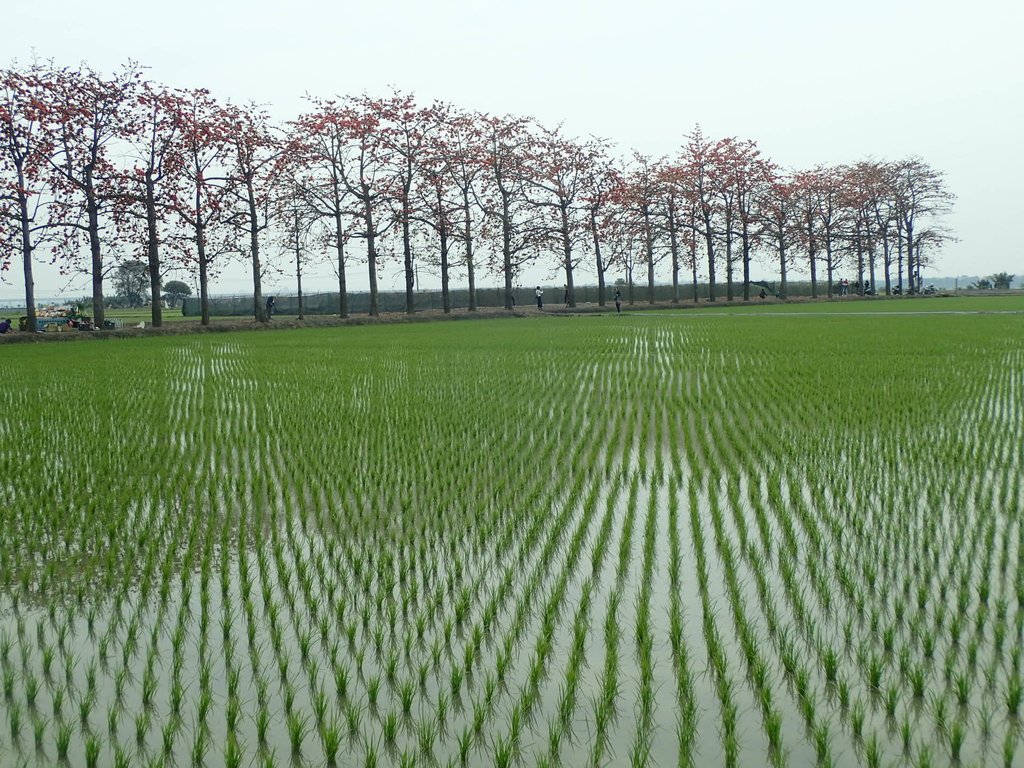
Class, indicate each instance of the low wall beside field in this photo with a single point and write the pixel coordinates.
(394, 301)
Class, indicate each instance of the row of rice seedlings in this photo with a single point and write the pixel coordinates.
(834, 662)
(716, 653)
(604, 708)
(561, 725)
(508, 746)
(758, 671)
(640, 749)
(686, 725)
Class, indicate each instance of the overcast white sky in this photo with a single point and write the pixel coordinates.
(811, 81)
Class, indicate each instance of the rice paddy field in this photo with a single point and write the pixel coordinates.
(664, 539)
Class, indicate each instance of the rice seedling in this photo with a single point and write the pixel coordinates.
(353, 719)
(857, 719)
(200, 746)
(956, 735)
(465, 744)
(39, 733)
(262, 722)
(427, 734)
(875, 671)
(441, 713)
(63, 740)
(1012, 695)
(822, 743)
(892, 693)
(92, 751)
(168, 736)
(370, 757)
(455, 679)
(141, 723)
(917, 681)
(85, 706)
(843, 690)
(479, 718)
(372, 691)
(773, 730)
(113, 721)
(122, 758)
(341, 682)
(233, 754)
(407, 696)
(503, 753)
(389, 726)
(939, 713)
(872, 751)
(330, 740)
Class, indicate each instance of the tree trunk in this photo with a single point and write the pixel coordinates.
(254, 246)
(339, 233)
(783, 287)
(567, 251)
(298, 270)
(469, 249)
(649, 245)
(506, 251)
(673, 242)
(830, 265)
(887, 264)
(92, 210)
(899, 264)
(371, 257)
(912, 274)
(693, 267)
(745, 245)
(860, 263)
(728, 257)
(410, 274)
(872, 258)
(445, 293)
(154, 252)
(813, 261)
(812, 254)
(599, 263)
(709, 241)
(204, 278)
(26, 255)
(729, 296)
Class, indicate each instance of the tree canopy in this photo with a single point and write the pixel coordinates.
(175, 291)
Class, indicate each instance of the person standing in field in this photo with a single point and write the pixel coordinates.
(565, 299)
(270, 307)
(540, 297)
(618, 302)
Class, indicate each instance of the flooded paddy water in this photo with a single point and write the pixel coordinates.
(590, 541)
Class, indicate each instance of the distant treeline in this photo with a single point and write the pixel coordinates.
(102, 170)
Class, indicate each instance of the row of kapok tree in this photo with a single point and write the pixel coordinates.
(95, 169)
